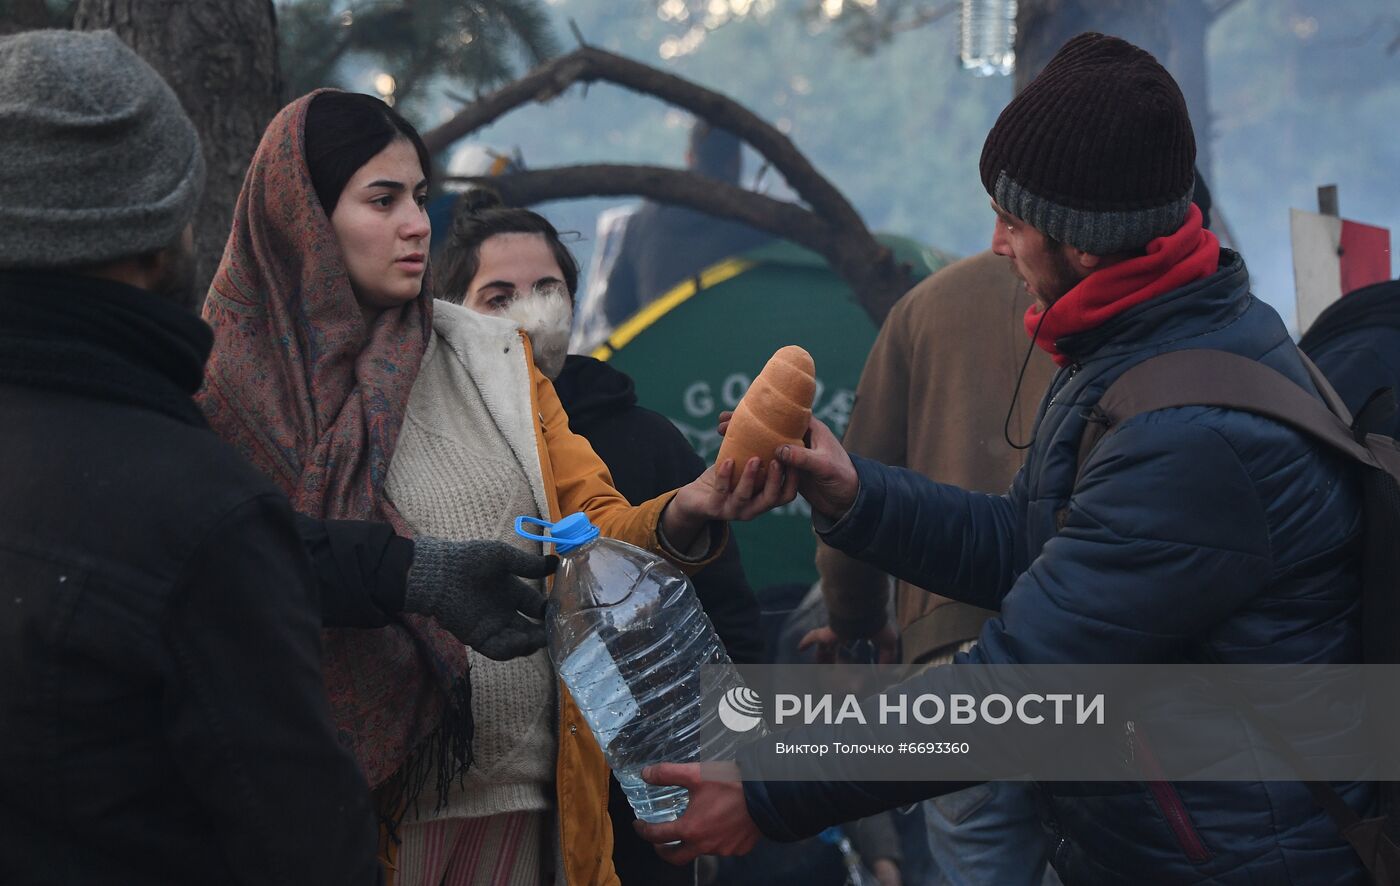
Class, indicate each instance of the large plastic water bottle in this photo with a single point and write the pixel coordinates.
(988, 38)
(640, 657)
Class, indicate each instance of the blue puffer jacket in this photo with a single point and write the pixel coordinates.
(1194, 534)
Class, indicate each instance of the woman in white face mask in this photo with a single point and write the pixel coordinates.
(484, 440)
(528, 276)
(496, 256)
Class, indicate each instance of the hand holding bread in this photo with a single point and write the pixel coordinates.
(746, 479)
(775, 410)
(775, 418)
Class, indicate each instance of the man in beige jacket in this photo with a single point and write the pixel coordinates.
(934, 397)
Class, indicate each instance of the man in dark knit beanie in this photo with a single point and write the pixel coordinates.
(1189, 534)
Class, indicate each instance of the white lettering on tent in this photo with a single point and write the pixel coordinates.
(699, 400)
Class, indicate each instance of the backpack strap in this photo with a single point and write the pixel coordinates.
(1329, 393)
(1203, 377)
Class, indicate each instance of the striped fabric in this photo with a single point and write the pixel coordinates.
(500, 850)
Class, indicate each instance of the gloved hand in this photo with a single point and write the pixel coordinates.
(472, 589)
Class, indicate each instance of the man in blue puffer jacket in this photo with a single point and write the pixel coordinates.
(1192, 535)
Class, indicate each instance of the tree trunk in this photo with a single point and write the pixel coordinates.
(1172, 30)
(24, 15)
(220, 56)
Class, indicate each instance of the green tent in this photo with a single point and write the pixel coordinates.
(694, 351)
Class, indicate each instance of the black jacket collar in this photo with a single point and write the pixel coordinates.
(103, 339)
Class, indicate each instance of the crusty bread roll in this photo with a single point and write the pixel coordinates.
(776, 410)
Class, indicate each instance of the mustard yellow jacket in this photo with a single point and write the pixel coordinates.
(581, 482)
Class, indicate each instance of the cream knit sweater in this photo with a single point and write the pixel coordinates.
(465, 466)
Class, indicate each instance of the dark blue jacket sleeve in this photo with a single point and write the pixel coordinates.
(956, 543)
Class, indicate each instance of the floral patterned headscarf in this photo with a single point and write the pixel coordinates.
(314, 398)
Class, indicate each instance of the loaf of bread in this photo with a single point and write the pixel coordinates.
(776, 410)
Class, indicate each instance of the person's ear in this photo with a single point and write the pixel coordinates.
(153, 263)
(1084, 262)
(157, 264)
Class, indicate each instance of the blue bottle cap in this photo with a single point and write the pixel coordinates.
(569, 533)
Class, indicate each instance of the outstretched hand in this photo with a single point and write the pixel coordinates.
(716, 819)
(726, 491)
(826, 478)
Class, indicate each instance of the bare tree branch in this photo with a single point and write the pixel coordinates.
(868, 267)
(589, 64)
(578, 34)
(832, 227)
(540, 85)
(717, 198)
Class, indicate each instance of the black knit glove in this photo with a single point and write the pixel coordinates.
(471, 588)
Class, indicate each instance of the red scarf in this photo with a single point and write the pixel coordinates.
(1171, 262)
(314, 400)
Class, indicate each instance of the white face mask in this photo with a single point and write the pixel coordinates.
(546, 315)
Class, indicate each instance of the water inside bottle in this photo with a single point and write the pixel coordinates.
(650, 803)
(637, 679)
(633, 645)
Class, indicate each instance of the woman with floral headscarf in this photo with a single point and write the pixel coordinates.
(335, 372)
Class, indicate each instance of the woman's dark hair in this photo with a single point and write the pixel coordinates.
(479, 216)
(343, 131)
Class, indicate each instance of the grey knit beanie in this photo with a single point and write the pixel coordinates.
(98, 161)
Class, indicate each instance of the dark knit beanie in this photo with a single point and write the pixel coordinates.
(1097, 151)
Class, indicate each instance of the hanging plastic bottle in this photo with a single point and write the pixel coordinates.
(988, 39)
(640, 658)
